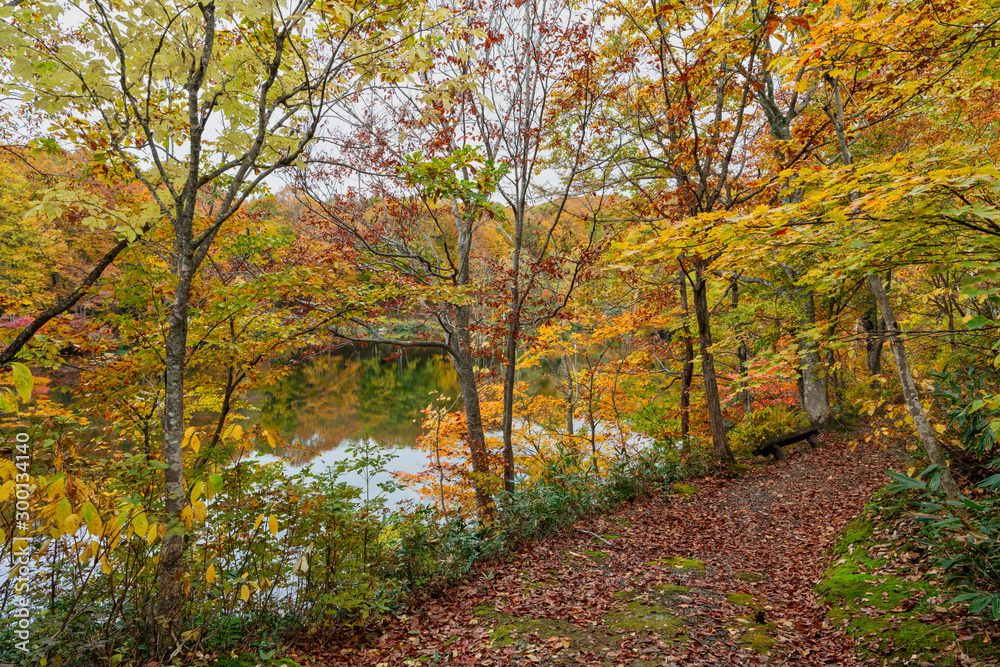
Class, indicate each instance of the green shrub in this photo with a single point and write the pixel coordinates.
(972, 404)
(764, 424)
(967, 547)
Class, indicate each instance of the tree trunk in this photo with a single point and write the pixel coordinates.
(570, 403)
(910, 392)
(687, 373)
(742, 354)
(169, 594)
(874, 340)
(702, 313)
(815, 399)
(465, 370)
(509, 378)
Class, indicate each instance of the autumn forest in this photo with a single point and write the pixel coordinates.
(499, 332)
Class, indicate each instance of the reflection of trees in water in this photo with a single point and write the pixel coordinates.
(334, 397)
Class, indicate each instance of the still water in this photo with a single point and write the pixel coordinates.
(329, 401)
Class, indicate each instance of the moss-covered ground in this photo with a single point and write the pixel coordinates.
(893, 605)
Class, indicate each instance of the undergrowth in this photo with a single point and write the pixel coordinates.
(884, 588)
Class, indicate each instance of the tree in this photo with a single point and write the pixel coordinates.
(685, 107)
(436, 161)
(200, 104)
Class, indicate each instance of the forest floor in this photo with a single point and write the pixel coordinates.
(724, 576)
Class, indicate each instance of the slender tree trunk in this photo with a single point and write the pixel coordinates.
(874, 338)
(169, 594)
(910, 392)
(465, 370)
(702, 313)
(687, 373)
(509, 379)
(742, 353)
(570, 403)
(812, 384)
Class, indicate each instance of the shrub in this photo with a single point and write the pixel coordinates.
(964, 536)
(972, 405)
(765, 424)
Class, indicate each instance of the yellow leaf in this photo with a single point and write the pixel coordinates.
(63, 510)
(191, 439)
(197, 489)
(6, 490)
(910, 471)
(187, 516)
(140, 525)
(245, 592)
(200, 510)
(56, 488)
(71, 524)
(105, 565)
(210, 574)
(234, 432)
(152, 533)
(940, 428)
(272, 524)
(270, 439)
(256, 524)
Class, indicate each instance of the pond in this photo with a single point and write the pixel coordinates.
(330, 401)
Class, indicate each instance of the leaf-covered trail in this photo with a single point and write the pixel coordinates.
(724, 577)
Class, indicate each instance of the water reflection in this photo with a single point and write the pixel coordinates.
(328, 400)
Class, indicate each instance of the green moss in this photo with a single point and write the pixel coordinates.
(857, 531)
(486, 610)
(745, 600)
(684, 490)
(596, 555)
(679, 563)
(611, 538)
(882, 611)
(749, 576)
(518, 628)
(535, 585)
(645, 617)
(756, 637)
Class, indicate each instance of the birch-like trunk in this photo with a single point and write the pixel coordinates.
(910, 393)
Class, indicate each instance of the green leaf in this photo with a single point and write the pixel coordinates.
(23, 382)
(989, 482)
(979, 603)
(905, 481)
(977, 322)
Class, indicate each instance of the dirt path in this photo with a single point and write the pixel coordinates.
(723, 577)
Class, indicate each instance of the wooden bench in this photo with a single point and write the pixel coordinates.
(773, 446)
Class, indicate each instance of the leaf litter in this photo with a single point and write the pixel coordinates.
(726, 577)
